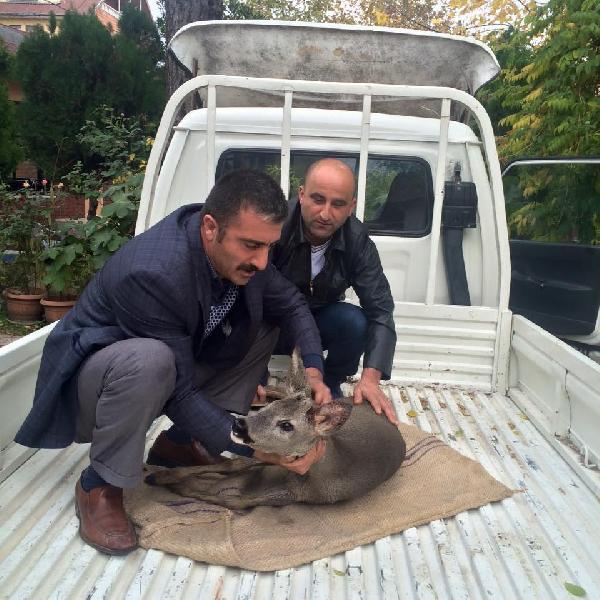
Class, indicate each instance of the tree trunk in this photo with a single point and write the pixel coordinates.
(177, 14)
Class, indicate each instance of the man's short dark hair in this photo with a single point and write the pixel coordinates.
(243, 189)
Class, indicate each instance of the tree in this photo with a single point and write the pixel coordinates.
(64, 77)
(321, 11)
(481, 17)
(10, 151)
(137, 73)
(67, 74)
(236, 10)
(416, 14)
(557, 91)
(549, 88)
(413, 14)
(513, 50)
(177, 14)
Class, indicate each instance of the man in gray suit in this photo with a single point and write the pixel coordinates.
(181, 321)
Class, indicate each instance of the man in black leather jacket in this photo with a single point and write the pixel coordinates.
(324, 249)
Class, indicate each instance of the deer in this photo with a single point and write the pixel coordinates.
(363, 450)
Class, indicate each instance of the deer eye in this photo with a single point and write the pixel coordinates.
(285, 426)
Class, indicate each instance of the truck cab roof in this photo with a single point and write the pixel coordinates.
(317, 122)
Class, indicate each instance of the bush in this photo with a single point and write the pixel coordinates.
(120, 148)
(25, 219)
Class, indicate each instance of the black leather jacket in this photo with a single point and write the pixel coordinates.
(351, 260)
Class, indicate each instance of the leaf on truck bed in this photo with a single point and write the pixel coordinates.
(575, 590)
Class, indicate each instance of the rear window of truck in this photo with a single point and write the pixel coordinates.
(399, 192)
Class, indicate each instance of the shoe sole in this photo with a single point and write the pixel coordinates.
(103, 549)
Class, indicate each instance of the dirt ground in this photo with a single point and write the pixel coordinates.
(7, 339)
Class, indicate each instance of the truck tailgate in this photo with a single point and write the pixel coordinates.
(528, 546)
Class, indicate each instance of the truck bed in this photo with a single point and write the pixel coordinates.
(527, 546)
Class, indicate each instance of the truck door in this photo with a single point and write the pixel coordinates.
(553, 213)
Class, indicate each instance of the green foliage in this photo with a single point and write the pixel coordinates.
(239, 10)
(546, 103)
(284, 10)
(115, 147)
(485, 17)
(417, 14)
(379, 181)
(120, 148)
(139, 28)
(10, 151)
(64, 77)
(69, 263)
(67, 75)
(116, 226)
(554, 203)
(554, 98)
(513, 51)
(295, 178)
(24, 232)
(137, 72)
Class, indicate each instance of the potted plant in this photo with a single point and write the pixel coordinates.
(69, 265)
(24, 231)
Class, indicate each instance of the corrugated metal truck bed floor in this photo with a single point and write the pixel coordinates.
(527, 546)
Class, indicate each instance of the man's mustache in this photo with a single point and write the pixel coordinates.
(248, 268)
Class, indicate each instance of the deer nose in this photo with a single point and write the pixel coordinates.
(240, 430)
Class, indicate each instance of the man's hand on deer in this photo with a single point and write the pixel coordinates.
(320, 392)
(297, 464)
(368, 388)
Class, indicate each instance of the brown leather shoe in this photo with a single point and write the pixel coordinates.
(103, 522)
(165, 453)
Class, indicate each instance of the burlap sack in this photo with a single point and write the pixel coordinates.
(434, 482)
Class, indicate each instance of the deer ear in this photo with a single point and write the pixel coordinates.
(295, 380)
(329, 417)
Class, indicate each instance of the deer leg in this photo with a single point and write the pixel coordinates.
(242, 486)
(216, 471)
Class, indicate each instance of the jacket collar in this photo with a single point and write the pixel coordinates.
(295, 232)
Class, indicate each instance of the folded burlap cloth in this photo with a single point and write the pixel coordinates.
(434, 482)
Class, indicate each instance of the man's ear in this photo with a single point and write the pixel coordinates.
(211, 227)
(301, 194)
(329, 417)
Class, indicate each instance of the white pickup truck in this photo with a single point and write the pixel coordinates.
(494, 386)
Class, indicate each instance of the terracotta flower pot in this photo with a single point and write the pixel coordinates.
(23, 308)
(56, 309)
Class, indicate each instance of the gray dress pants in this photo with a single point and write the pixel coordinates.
(124, 387)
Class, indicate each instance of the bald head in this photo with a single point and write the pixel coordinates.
(332, 165)
(326, 198)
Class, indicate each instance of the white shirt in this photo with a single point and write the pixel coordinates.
(317, 258)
